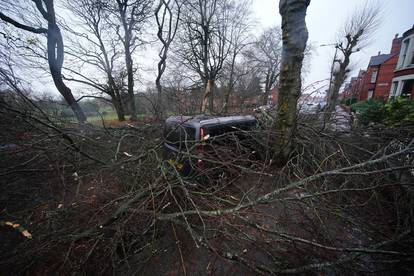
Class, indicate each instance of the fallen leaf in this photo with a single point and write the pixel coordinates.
(26, 234)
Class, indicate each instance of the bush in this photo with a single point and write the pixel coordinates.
(370, 111)
(350, 101)
(400, 111)
(396, 112)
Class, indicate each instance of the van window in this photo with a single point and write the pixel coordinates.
(216, 130)
(179, 136)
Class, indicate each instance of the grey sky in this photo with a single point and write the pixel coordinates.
(324, 19)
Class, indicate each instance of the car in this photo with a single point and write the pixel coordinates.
(187, 138)
(264, 108)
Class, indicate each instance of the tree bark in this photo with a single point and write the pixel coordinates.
(130, 73)
(159, 104)
(207, 99)
(55, 53)
(294, 36)
(339, 78)
(122, 8)
(55, 60)
(119, 108)
(231, 84)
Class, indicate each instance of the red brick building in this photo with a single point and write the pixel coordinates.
(403, 79)
(354, 86)
(273, 96)
(376, 80)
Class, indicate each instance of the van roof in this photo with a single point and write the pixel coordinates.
(201, 120)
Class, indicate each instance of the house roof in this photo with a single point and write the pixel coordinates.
(380, 59)
(407, 33)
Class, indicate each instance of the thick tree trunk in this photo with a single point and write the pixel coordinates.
(119, 108)
(230, 86)
(55, 53)
(207, 104)
(339, 78)
(130, 74)
(225, 107)
(266, 96)
(295, 36)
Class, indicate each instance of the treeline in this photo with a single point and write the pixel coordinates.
(97, 47)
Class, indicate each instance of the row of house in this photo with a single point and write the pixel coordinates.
(387, 75)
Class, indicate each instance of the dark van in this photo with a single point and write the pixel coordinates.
(184, 136)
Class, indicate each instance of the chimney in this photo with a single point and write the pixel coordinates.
(396, 45)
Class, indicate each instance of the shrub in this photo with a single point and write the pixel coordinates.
(400, 111)
(350, 101)
(370, 111)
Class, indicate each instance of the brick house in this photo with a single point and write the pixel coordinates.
(376, 80)
(352, 90)
(273, 96)
(403, 78)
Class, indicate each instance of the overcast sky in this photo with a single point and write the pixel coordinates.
(324, 19)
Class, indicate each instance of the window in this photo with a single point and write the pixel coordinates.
(179, 136)
(407, 88)
(394, 88)
(404, 51)
(412, 58)
(370, 94)
(374, 76)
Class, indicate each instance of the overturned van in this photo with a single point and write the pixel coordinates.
(187, 139)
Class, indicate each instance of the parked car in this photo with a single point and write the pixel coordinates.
(264, 108)
(187, 138)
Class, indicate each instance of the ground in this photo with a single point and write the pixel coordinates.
(101, 205)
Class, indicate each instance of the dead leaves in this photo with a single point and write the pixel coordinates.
(18, 227)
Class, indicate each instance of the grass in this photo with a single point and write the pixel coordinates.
(110, 118)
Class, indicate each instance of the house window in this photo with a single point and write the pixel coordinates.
(407, 88)
(370, 94)
(405, 51)
(394, 89)
(412, 57)
(374, 76)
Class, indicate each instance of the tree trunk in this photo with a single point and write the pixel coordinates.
(339, 78)
(130, 73)
(225, 107)
(208, 97)
(295, 36)
(230, 86)
(158, 106)
(55, 53)
(119, 108)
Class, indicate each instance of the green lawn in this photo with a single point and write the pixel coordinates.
(110, 116)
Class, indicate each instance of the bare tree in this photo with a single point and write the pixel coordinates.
(96, 46)
(240, 39)
(132, 15)
(206, 41)
(55, 50)
(167, 24)
(266, 54)
(354, 36)
(294, 36)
